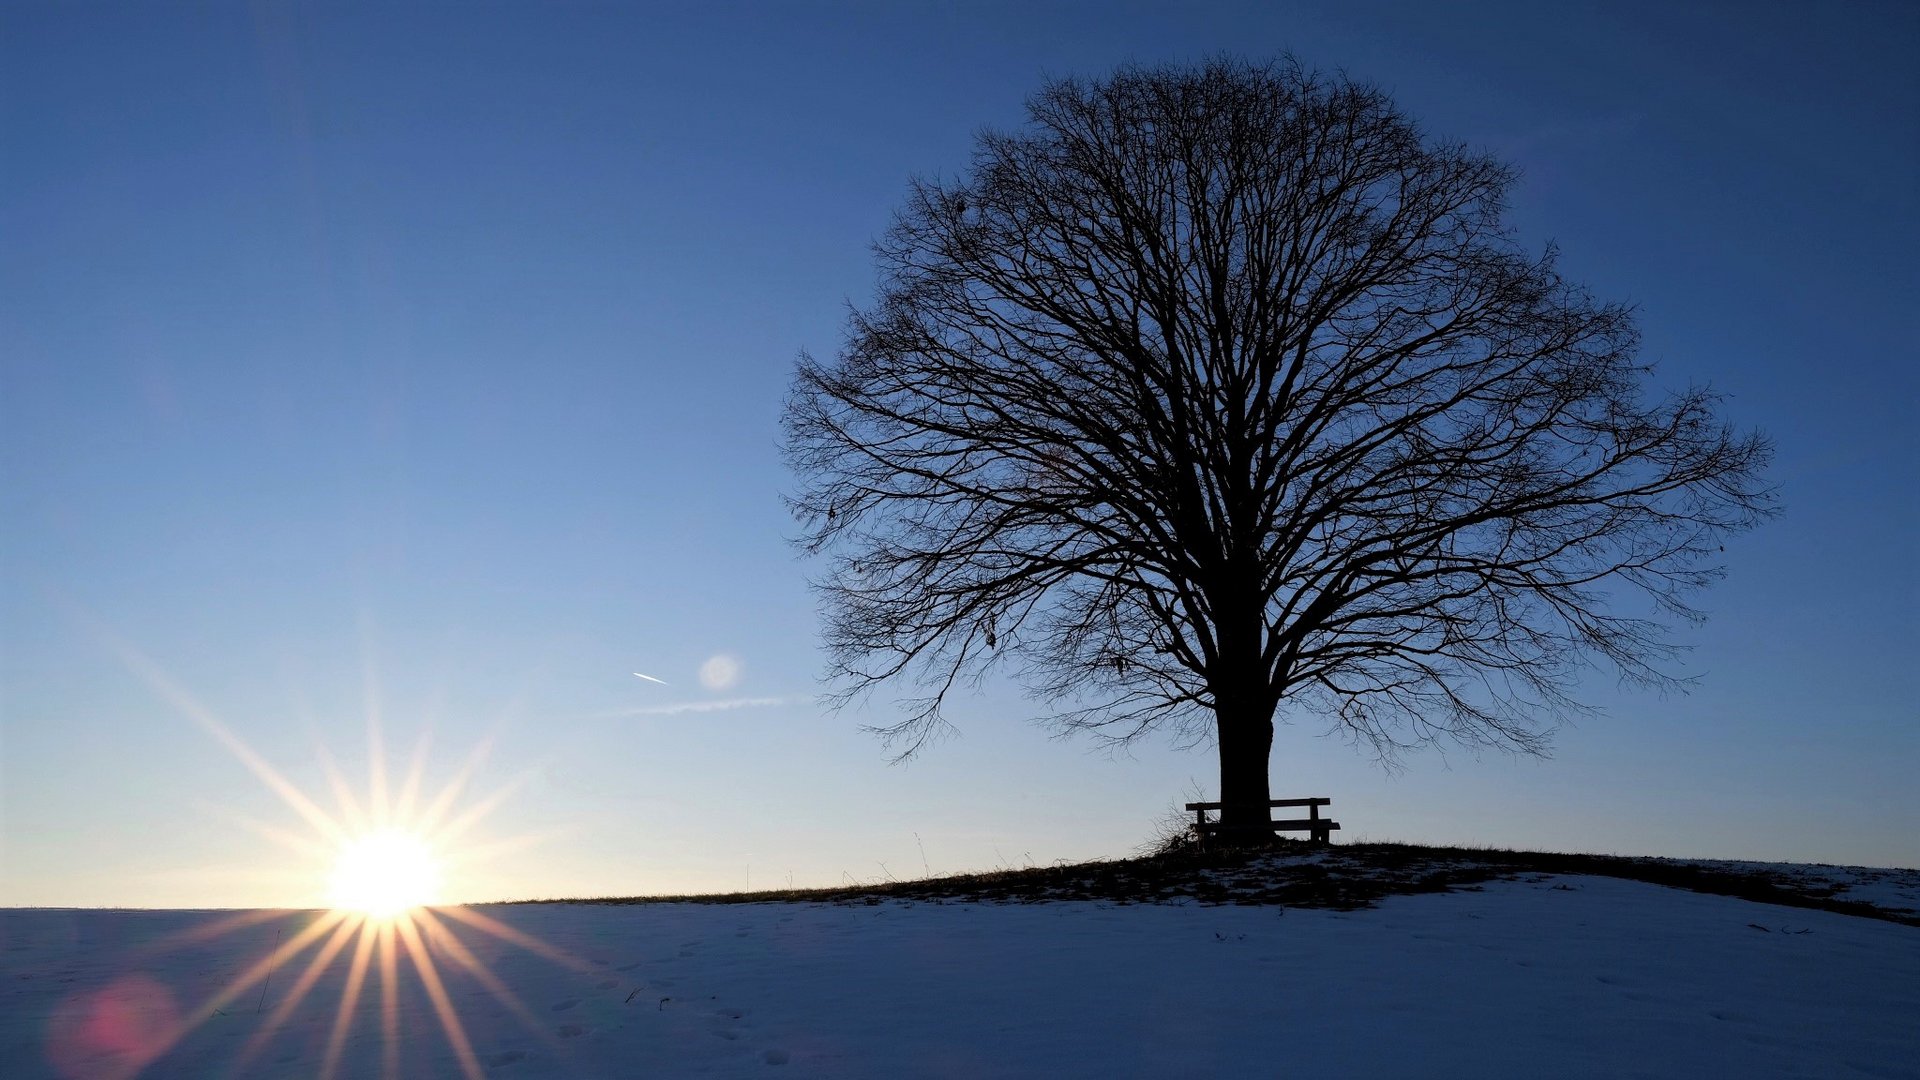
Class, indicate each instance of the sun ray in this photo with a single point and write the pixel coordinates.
(442, 1005)
(380, 811)
(490, 925)
(489, 852)
(444, 936)
(376, 745)
(286, 838)
(389, 1005)
(297, 993)
(213, 928)
(162, 683)
(472, 815)
(261, 969)
(267, 964)
(350, 810)
(349, 1000)
(410, 788)
(442, 802)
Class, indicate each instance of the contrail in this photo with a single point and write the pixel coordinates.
(650, 678)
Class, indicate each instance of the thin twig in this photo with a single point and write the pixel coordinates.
(268, 981)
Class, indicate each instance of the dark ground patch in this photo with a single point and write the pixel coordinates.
(1297, 874)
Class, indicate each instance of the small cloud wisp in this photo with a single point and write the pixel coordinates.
(724, 705)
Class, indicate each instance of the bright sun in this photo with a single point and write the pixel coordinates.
(385, 873)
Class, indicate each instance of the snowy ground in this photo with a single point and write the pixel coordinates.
(1547, 976)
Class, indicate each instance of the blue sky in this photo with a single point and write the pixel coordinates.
(431, 362)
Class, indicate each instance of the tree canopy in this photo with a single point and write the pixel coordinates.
(1221, 388)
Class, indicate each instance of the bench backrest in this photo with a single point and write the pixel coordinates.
(1274, 802)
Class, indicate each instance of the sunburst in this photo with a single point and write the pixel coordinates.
(387, 853)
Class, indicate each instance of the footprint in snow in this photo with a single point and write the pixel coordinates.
(725, 1023)
(563, 1006)
(775, 1057)
(506, 1057)
(569, 1031)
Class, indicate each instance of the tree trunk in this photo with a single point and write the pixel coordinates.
(1245, 736)
(1243, 705)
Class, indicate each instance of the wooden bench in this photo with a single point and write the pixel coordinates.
(1316, 826)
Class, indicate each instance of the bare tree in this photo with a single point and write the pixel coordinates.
(1220, 388)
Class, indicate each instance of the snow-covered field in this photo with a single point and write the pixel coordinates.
(1563, 977)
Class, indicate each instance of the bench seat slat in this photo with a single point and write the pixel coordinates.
(1288, 823)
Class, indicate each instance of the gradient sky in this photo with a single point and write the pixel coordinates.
(430, 364)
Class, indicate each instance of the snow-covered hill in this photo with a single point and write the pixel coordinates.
(1563, 976)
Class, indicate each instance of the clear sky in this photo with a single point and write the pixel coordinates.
(429, 365)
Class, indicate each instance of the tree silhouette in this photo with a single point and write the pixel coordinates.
(1224, 387)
